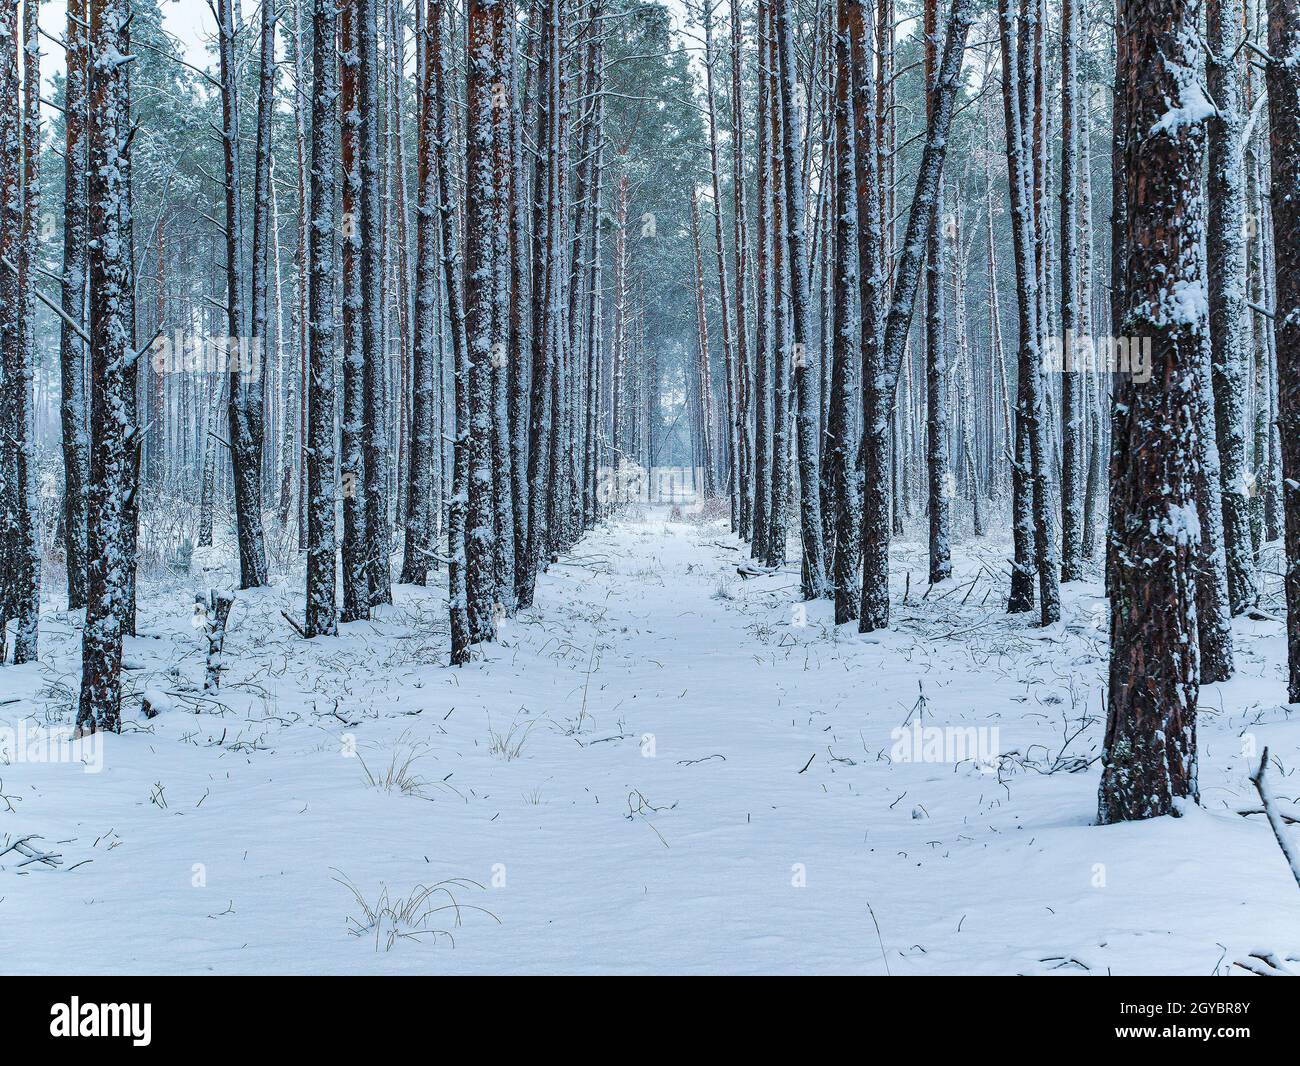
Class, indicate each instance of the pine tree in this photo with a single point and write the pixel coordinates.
(1149, 757)
(352, 439)
(1226, 247)
(72, 351)
(883, 373)
(418, 550)
(794, 212)
(111, 366)
(1283, 77)
(939, 476)
(245, 393)
(841, 435)
(323, 333)
(375, 416)
(1072, 459)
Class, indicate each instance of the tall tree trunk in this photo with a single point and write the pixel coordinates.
(1149, 757)
(22, 555)
(734, 423)
(883, 384)
(72, 350)
(263, 315)
(1283, 75)
(481, 223)
(245, 397)
(376, 410)
(805, 360)
(1229, 337)
(352, 457)
(111, 364)
(781, 352)
(763, 333)
(1032, 431)
(740, 255)
(323, 333)
(841, 434)
(1072, 459)
(418, 555)
(939, 476)
(545, 282)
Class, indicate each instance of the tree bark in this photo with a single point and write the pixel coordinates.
(1149, 756)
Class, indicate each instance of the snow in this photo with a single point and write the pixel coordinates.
(644, 775)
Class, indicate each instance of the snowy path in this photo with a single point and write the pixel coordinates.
(627, 775)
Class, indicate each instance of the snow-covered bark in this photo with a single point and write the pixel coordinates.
(21, 555)
(352, 457)
(872, 460)
(504, 170)
(618, 357)
(762, 380)
(1072, 458)
(376, 410)
(1229, 327)
(841, 426)
(323, 327)
(294, 488)
(898, 320)
(740, 254)
(938, 473)
(704, 412)
(780, 335)
(1283, 76)
(1031, 451)
(418, 556)
(112, 366)
(1149, 756)
(12, 302)
(734, 423)
(482, 220)
(545, 282)
(75, 431)
(245, 395)
(520, 282)
(265, 320)
(449, 238)
(807, 416)
(1213, 612)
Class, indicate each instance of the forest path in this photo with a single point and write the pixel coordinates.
(660, 767)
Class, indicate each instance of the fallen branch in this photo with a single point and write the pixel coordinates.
(297, 628)
(23, 847)
(1275, 819)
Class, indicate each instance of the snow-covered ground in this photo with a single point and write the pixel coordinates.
(662, 767)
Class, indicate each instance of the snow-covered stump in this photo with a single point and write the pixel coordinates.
(212, 612)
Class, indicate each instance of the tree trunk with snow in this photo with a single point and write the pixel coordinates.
(807, 419)
(245, 397)
(897, 324)
(321, 619)
(939, 480)
(75, 430)
(1229, 326)
(1283, 74)
(352, 457)
(1149, 757)
(111, 370)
